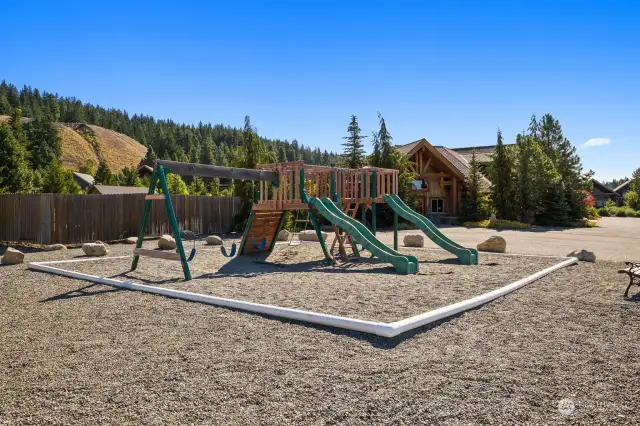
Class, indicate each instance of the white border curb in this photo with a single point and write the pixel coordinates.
(378, 328)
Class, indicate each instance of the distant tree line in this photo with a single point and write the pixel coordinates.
(203, 143)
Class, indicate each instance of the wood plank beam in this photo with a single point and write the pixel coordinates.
(205, 170)
(154, 197)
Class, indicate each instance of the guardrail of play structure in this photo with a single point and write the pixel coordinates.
(351, 185)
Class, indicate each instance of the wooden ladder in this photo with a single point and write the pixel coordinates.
(296, 221)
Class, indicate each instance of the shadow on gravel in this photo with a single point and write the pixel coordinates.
(635, 298)
(132, 275)
(80, 292)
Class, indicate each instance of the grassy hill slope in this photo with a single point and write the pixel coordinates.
(82, 142)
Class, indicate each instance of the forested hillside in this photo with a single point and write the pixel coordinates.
(204, 143)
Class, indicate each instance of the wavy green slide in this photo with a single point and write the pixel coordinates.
(467, 256)
(404, 264)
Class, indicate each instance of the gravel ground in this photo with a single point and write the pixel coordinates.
(297, 278)
(563, 350)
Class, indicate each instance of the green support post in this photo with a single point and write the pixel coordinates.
(245, 236)
(312, 217)
(174, 222)
(145, 219)
(374, 194)
(395, 230)
(363, 215)
(159, 175)
(333, 182)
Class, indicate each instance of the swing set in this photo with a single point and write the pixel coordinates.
(337, 194)
(159, 180)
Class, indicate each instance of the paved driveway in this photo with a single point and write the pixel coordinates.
(614, 239)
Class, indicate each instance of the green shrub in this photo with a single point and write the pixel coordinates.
(604, 212)
(623, 212)
(632, 200)
(592, 213)
(500, 224)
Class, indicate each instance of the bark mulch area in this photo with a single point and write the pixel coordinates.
(562, 350)
(296, 277)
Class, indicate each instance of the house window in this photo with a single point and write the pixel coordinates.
(437, 205)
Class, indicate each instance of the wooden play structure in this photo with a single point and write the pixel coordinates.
(334, 193)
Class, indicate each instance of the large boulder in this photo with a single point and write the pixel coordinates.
(166, 242)
(130, 240)
(310, 235)
(95, 249)
(214, 240)
(413, 241)
(283, 235)
(495, 244)
(12, 257)
(55, 247)
(583, 255)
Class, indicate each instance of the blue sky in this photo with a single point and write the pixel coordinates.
(449, 71)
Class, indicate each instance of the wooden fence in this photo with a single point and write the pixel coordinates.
(68, 219)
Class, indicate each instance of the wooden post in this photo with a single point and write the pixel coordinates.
(374, 194)
(454, 200)
(297, 172)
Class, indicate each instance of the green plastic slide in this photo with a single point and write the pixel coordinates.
(467, 256)
(404, 264)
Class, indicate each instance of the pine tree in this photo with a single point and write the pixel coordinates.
(198, 187)
(252, 145)
(282, 154)
(353, 153)
(58, 180)
(376, 155)
(15, 175)
(15, 122)
(45, 143)
(214, 187)
(386, 146)
(128, 177)
(501, 177)
(149, 158)
(103, 175)
(472, 195)
(176, 185)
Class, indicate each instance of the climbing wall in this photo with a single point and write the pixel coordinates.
(263, 225)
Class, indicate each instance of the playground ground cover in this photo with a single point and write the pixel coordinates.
(562, 350)
(296, 277)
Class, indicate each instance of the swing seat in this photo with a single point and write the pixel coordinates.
(191, 255)
(233, 250)
(263, 244)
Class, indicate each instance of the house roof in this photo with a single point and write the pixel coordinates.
(449, 159)
(483, 153)
(455, 160)
(621, 187)
(83, 179)
(110, 190)
(602, 187)
(406, 149)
